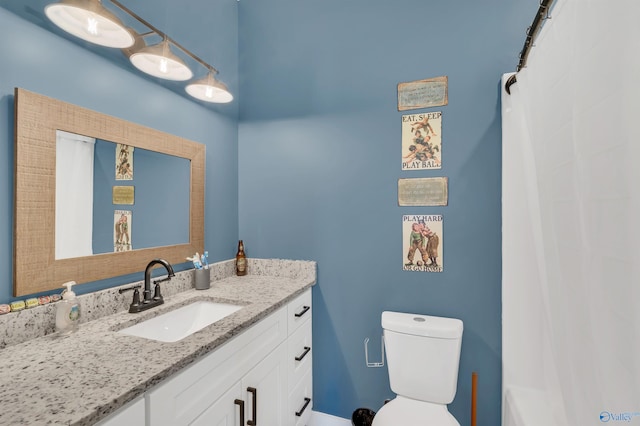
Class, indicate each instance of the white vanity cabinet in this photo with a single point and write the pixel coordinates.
(250, 380)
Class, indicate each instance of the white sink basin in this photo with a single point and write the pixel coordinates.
(182, 322)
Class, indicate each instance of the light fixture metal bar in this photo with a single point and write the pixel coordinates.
(163, 35)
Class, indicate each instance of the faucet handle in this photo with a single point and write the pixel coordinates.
(136, 297)
(162, 280)
(122, 290)
(135, 304)
(156, 291)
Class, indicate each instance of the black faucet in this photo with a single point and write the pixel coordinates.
(148, 301)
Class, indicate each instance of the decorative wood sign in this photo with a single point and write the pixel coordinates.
(427, 93)
(423, 192)
(123, 195)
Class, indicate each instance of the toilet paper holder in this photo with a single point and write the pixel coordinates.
(366, 354)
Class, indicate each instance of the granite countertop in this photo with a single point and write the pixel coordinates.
(81, 378)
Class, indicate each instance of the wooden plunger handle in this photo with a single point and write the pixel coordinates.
(474, 397)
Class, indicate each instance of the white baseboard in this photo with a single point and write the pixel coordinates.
(322, 419)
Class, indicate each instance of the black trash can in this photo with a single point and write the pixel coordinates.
(362, 417)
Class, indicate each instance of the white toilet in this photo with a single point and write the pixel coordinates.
(423, 354)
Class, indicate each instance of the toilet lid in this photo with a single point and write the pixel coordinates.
(405, 411)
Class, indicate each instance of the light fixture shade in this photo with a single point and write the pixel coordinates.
(159, 61)
(90, 21)
(209, 89)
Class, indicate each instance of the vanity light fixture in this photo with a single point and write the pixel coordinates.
(210, 89)
(90, 21)
(159, 61)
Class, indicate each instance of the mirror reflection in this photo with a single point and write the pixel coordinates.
(113, 197)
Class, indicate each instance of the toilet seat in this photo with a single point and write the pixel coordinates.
(403, 411)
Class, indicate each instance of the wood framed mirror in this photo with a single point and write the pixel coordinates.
(38, 119)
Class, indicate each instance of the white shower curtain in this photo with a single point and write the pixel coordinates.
(74, 195)
(571, 213)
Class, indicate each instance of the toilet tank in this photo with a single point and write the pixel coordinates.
(423, 355)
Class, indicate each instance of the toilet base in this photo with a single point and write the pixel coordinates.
(406, 411)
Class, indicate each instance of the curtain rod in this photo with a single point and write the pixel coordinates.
(541, 16)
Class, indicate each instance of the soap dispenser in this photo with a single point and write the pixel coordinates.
(68, 310)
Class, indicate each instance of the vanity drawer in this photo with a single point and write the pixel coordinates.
(299, 354)
(299, 311)
(301, 402)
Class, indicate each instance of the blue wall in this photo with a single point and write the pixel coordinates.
(320, 159)
(41, 62)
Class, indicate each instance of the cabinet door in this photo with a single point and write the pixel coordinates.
(225, 411)
(265, 390)
(181, 399)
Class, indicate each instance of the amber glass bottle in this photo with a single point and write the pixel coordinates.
(241, 260)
